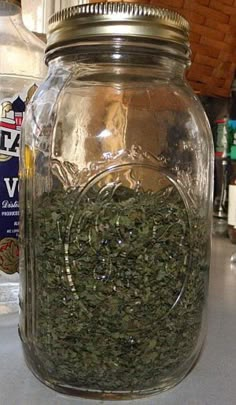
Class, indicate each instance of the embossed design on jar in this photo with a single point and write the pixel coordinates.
(71, 176)
(125, 222)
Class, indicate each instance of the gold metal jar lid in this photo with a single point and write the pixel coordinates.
(87, 22)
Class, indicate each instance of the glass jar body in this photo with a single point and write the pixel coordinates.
(116, 194)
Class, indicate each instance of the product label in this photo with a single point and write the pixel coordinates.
(11, 117)
(231, 133)
(232, 206)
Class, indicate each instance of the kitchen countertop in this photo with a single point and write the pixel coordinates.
(211, 382)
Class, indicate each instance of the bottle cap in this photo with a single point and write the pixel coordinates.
(94, 22)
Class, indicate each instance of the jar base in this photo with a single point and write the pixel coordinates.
(107, 395)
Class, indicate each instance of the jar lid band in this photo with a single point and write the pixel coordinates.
(114, 19)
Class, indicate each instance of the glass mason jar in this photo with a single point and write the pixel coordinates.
(116, 202)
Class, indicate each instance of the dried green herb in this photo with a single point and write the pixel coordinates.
(121, 278)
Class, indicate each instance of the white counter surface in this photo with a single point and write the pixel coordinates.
(211, 382)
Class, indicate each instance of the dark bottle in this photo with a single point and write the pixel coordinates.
(232, 197)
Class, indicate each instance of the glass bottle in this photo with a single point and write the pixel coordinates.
(21, 68)
(221, 178)
(116, 205)
(232, 197)
(36, 13)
